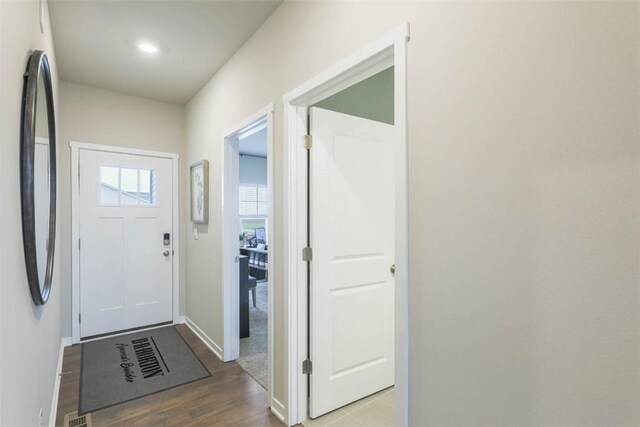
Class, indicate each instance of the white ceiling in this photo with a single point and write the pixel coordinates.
(254, 144)
(95, 42)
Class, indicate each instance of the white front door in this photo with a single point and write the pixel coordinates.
(352, 203)
(125, 264)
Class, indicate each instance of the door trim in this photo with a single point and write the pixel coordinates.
(75, 224)
(230, 298)
(390, 50)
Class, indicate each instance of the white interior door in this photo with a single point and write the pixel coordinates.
(352, 186)
(125, 264)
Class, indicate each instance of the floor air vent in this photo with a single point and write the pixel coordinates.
(75, 420)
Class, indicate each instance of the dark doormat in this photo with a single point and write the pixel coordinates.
(118, 369)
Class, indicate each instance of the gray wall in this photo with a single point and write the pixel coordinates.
(103, 117)
(523, 186)
(29, 335)
(253, 170)
(371, 99)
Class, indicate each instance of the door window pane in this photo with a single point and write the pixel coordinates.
(109, 185)
(127, 186)
(147, 186)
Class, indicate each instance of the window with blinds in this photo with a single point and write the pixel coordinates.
(253, 200)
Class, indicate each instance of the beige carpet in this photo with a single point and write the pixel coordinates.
(253, 350)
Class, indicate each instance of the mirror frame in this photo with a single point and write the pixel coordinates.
(37, 66)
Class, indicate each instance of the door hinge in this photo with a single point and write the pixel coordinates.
(308, 142)
(307, 367)
(307, 254)
(79, 244)
(79, 317)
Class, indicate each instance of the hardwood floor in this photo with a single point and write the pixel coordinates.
(230, 397)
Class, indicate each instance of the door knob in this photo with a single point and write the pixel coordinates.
(166, 252)
(392, 269)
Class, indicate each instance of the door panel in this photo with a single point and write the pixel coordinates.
(110, 263)
(352, 234)
(126, 206)
(144, 266)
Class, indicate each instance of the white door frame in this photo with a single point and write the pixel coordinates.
(388, 51)
(230, 297)
(76, 147)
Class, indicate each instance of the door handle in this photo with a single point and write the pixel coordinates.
(166, 252)
(393, 269)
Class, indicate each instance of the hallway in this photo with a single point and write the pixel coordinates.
(442, 198)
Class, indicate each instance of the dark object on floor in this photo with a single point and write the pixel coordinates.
(126, 367)
(247, 284)
(258, 262)
(252, 288)
(243, 265)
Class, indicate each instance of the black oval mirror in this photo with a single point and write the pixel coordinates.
(38, 176)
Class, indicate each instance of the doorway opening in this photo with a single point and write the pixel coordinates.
(351, 230)
(248, 246)
(254, 253)
(346, 196)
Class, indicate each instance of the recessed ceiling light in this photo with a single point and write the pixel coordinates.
(147, 47)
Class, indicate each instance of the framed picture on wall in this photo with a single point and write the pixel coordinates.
(200, 192)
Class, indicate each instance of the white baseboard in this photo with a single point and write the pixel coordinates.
(278, 409)
(204, 338)
(181, 320)
(53, 412)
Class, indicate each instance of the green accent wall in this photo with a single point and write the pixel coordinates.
(370, 99)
